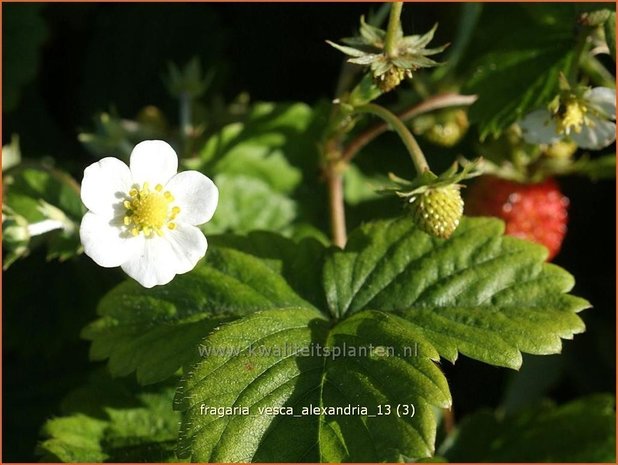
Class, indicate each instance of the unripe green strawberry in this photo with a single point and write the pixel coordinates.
(536, 212)
(438, 210)
(449, 129)
(390, 79)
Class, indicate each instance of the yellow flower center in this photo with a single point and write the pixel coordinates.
(572, 117)
(149, 211)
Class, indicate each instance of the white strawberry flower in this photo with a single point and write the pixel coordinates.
(143, 217)
(586, 118)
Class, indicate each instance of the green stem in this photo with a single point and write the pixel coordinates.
(418, 158)
(393, 30)
(597, 72)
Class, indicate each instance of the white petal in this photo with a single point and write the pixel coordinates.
(597, 136)
(153, 161)
(162, 258)
(196, 195)
(105, 185)
(538, 127)
(603, 99)
(105, 241)
(188, 244)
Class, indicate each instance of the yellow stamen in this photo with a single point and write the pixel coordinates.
(149, 211)
(573, 116)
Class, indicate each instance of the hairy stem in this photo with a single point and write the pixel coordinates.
(334, 180)
(393, 30)
(416, 154)
(431, 104)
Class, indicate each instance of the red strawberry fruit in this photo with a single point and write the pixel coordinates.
(536, 212)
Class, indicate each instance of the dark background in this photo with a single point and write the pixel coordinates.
(92, 57)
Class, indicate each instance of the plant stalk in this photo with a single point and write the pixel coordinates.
(416, 154)
(334, 179)
(431, 104)
(393, 30)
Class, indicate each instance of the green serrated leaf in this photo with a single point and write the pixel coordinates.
(298, 262)
(406, 296)
(265, 360)
(480, 293)
(109, 421)
(156, 331)
(583, 430)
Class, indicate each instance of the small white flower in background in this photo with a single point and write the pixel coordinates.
(587, 118)
(143, 217)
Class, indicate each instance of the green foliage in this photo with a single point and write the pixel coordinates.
(258, 164)
(516, 60)
(40, 203)
(480, 293)
(274, 317)
(263, 303)
(247, 203)
(116, 136)
(157, 331)
(270, 137)
(296, 380)
(583, 430)
(110, 421)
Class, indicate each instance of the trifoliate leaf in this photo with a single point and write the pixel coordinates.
(480, 293)
(395, 291)
(108, 421)
(265, 361)
(583, 430)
